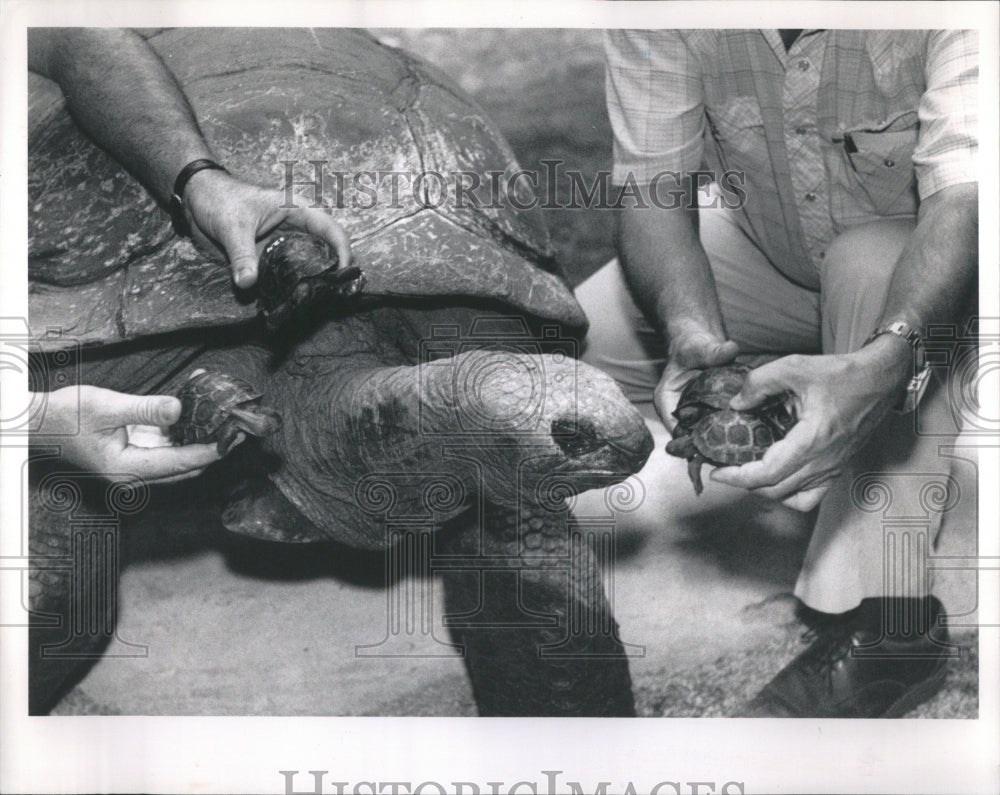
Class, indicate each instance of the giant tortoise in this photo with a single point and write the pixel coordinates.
(444, 392)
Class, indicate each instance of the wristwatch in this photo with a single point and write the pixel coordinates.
(922, 372)
(177, 217)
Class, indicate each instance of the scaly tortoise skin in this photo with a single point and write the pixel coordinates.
(708, 431)
(439, 388)
(215, 407)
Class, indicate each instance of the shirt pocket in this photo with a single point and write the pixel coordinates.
(737, 130)
(880, 163)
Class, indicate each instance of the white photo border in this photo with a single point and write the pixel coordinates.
(204, 754)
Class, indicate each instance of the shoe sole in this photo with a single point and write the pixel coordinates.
(918, 695)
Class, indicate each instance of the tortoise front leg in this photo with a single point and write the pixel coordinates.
(530, 611)
(226, 437)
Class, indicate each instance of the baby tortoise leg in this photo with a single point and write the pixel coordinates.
(227, 436)
(694, 471)
(538, 632)
(682, 446)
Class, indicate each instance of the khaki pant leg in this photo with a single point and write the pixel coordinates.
(880, 520)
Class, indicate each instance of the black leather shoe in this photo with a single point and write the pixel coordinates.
(878, 661)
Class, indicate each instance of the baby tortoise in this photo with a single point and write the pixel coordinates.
(297, 270)
(708, 431)
(216, 407)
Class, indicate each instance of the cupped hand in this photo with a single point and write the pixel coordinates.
(687, 355)
(839, 400)
(230, 216)
(91, 426)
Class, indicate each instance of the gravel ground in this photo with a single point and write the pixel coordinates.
(235, 626)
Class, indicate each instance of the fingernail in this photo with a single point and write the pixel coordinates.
(166, 411)
(244, 278)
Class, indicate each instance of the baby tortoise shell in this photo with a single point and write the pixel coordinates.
(708, 431)
(712, 389)
(298, 270)
(216, 407)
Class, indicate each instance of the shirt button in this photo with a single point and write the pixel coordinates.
(889, 163)
(810, 197)
(804, 65)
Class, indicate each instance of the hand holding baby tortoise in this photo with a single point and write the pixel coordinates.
(708, 431)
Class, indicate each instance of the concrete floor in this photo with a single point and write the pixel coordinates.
(237, 627)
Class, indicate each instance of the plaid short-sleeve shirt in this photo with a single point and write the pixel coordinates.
(845, 127)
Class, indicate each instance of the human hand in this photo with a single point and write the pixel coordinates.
(688, 354)
(90, 424)
(839, 401)
(229, 216)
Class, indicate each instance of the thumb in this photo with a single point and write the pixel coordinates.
(158, 410)
(241, 251)
(665, 401)
(766, 381)
(698, 351)
(721, 353)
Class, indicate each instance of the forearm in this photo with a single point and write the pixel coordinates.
(668, 270)
(121, 94)
(842, 398)
(935, 278)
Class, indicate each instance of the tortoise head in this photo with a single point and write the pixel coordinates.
(536, 417)
(596, 436)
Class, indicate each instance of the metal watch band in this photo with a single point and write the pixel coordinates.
(177, 217)
(918, 383)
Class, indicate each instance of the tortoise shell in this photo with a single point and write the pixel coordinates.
(298, 270)
(731, 438)
(708, 431)
(709, 390)
(215, 407)
(321, 108)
